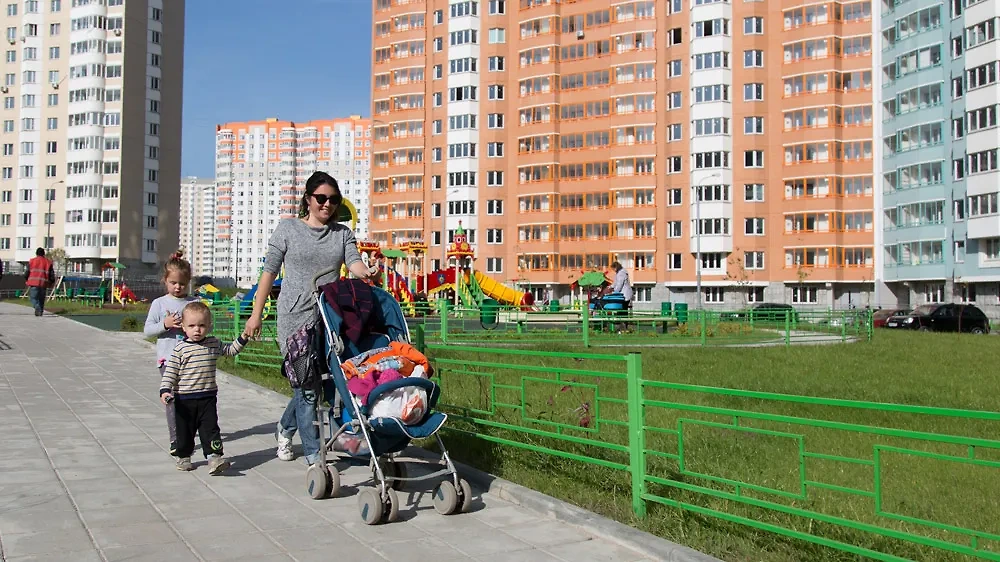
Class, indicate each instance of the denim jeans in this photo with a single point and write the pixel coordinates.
(37, 297)
(300, 415)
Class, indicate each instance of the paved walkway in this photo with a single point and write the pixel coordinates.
(85, 475)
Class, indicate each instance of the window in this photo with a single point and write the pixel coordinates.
(53, 100)
(674, 262)
(807, 295)
(753, 192)
(496, 64)
(53, 53)
(494, 236)
(674, 100)
(495, 92)
(753, 26)
(494, 265)
(438, 44)
(674, 197)
(494, 149)
(753, 226)
(674, 229)
(497, 7)
(495, 120)
(753, 260)
(494, 178)
(494, 207)
(753, 125)
(674, 68)
(714, 295)
(753, 92)
(753, 58)
(674, 132)
(497, 35)
(51, 147)
(753, 159)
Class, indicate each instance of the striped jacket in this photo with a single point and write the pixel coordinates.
(190, 370)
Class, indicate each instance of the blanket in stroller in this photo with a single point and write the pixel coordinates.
(378, 366)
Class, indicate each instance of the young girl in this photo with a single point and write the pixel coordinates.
(164, 322)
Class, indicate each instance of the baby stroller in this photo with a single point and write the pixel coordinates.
(380, 439)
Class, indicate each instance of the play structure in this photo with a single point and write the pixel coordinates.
(460, 281)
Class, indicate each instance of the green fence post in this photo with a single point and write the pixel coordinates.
(843, 326)
(585, 324)
(636, 433)
(788, 327)
(445, 307)
(704, 327)
(420, 338)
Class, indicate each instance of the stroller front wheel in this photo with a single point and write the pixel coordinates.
(321, 483)
(445, 498)
(371, 507)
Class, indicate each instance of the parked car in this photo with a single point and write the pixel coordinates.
(943, 318)
(764, 312)
(880, 317)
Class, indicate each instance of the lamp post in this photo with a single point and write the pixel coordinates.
(697, 232)
(50, 194)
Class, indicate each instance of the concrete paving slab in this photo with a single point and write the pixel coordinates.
(93, 480)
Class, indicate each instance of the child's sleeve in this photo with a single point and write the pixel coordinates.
(154, 320)
(172, 371)
(231, 349)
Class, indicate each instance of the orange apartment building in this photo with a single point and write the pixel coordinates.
(566, 135)
(261, 168)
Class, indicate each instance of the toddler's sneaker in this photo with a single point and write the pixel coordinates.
(184, 464)
(217, 464)
(284, 446)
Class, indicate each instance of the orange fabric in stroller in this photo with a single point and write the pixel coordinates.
(398, 355)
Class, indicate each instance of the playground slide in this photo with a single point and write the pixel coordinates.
(502, 293)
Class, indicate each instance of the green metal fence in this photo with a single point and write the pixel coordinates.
(886, 481)
(456, 324)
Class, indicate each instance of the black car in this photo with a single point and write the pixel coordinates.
(943, 318)
(764, 312)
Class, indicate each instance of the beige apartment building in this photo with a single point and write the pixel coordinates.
(197, 223)
(91, 129)
(726, 144)
(261, 168)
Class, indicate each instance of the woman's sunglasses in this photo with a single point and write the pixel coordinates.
(322, 199)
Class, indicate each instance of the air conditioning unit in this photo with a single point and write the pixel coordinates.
(11, 41)
(579, 34)
(4, 89)
(118, 33)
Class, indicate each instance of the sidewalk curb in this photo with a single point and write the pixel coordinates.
(644, 543)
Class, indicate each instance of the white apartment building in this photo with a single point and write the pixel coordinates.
(197, 223)
(261, 170)
(90, 138)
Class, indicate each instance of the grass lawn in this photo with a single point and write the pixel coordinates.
(941, 370)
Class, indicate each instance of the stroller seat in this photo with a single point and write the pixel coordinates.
(351, 307)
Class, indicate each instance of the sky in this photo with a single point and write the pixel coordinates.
(252, 59)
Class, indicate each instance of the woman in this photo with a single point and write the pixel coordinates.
(306, 245)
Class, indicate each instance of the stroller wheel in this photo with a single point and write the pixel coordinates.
(445, 498)
(392, 506)
(370, 505)
(466, 493)
(321, 483)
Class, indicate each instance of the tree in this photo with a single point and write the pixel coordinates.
(59, 257)
(740, 277)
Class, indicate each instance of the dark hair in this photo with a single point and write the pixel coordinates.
(312, 184)
(197, 307)
(177, 263)
(616, 265)
(40, 252)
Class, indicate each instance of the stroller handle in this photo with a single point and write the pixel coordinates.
(329, 270)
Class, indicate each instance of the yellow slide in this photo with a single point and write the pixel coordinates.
(500, 292)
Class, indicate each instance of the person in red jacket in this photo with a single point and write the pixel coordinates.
(41, 277)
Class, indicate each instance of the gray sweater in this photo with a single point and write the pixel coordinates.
(305, 251)
(165, 339)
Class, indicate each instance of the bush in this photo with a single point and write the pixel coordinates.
(131, 324)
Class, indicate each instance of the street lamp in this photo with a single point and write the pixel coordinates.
(50, 194)
(697, 232)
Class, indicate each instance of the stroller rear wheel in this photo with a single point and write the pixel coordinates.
(392, 506)
(322, 483)
(466, 492)
(393, 469)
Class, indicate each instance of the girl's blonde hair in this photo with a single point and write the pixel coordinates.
(177, 264)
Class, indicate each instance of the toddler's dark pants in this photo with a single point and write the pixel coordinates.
(197, 415)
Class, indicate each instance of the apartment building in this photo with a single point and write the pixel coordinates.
(726, 145)
(91, 130)
(197, 223)
(940, 231)
(261, 171)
